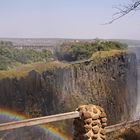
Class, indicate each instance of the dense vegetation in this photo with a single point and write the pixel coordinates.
(72, 51)
(68, 51)
(11, 56)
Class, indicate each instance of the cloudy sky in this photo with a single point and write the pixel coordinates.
(66, 19)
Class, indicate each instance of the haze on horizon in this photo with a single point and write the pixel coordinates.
(66, 19)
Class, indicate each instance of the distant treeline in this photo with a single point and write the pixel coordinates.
(11, 56)
(73, 51)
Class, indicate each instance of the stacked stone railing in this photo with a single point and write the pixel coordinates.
(89, 123)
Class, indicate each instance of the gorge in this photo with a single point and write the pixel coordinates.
(108, 79)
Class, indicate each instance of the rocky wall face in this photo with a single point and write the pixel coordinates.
(110, 82)
(125, 133)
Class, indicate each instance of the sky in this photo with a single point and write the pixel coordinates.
(66, 19)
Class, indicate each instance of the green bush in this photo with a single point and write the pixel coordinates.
(10, 56)
(84, 50)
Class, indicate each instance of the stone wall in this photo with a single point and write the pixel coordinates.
(91, 124)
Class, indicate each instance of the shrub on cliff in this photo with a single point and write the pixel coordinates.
(73, 51)
(26, 56)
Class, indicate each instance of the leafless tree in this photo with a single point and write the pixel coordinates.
(123, 10)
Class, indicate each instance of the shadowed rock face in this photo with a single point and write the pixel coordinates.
(27, 133)
(132, 133)
(110, 83)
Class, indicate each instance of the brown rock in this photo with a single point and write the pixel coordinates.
(103, 137)
(104, 120)
(86, 115)
(87, 128)
(95, 110)
(81, 108)
(100, 108)
(95, 116)
(95, 136)
(89, 108)
(88, 121)
(96, 122)
(99, 138)
(89, 134)
(96, 129)
(103, 131)
(104, 124)
(103, 114)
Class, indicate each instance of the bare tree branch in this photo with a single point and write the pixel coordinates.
(124, 10)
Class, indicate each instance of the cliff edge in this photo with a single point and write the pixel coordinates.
(108, 79)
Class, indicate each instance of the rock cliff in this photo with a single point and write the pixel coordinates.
(110, 82)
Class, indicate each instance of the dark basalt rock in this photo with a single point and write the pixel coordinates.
(112, 84)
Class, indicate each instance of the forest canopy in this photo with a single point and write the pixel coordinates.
(11, 56)
(73, 51)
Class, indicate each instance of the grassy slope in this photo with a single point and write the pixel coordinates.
(24, 70)
(107, 54)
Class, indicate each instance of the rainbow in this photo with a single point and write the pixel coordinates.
(47, 128)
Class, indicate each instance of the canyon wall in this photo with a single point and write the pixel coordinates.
(110, 82)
